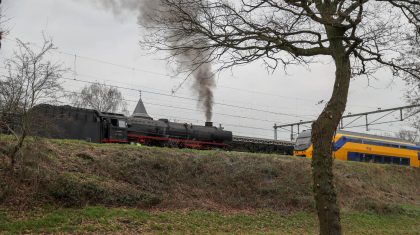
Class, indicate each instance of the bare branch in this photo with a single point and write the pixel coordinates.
(31, 79)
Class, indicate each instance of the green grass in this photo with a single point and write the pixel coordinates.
(187, 187)
(101, 220)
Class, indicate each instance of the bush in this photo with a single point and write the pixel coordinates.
(5, 191)
(75, 189)
(379, 207)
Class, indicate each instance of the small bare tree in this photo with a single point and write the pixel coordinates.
(360, 37)
(413, 86)
(31, 79)
(413, 97)
(411, 136)
(99, 97)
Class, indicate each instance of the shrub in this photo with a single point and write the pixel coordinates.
(76, 189)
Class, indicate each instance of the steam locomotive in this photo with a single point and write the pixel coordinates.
(87, 124)
(67, 122)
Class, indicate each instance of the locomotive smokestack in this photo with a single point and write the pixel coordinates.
(209, 124)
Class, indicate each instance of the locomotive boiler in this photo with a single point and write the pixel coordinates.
(143, 129)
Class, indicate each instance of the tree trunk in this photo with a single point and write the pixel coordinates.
(21, 139)
(16, 149)
(323, 131)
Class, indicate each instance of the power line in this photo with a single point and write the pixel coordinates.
(189, 98)
(118, 82)
(98, 60)
(185, 98)
(165, 75)
(183, 108)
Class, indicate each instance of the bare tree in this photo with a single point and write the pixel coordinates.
(3, 29)
(31, 79)
(413, 97)
(413, 86)
(411, 136)
(99, 97)
(359, 36)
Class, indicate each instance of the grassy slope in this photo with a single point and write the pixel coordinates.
(101, 220)
(208, 191)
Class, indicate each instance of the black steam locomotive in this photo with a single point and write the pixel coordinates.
(91, 125)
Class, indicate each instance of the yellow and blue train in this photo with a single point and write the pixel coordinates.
(352, 146)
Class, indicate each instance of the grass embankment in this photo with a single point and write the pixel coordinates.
(105, 220)
(172, 190)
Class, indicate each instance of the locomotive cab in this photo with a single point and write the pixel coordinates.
(114, 128)
(303, 146)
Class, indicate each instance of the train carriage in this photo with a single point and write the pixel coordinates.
(352, 146)
(67, 122)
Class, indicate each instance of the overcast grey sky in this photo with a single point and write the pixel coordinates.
(107, 50)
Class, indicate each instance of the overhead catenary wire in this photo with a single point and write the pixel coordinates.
(169, 106)
(189, 98)
(130, 84)
(132, 68)
(186, 98)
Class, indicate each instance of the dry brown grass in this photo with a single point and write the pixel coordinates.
(71, 173)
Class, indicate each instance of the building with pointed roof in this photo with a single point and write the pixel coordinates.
(140, 111)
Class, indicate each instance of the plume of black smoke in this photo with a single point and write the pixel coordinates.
(203, 85)
(147, 12)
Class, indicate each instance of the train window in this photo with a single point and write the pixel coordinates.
(122, 123)
(356, 140)
(405, 161)
(396, 160)
(114, 122)
(368, 158)
(378, 159)
(303, 141)
(371, 142)
(353, 157)
(387, 160)
(362, 157)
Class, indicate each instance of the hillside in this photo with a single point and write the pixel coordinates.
(63, 174)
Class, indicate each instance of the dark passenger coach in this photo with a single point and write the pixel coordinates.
(67, 122)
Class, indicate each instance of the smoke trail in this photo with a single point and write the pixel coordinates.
(148, 10)
(203, 85)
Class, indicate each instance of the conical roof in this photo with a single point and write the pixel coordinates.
(140, 111)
